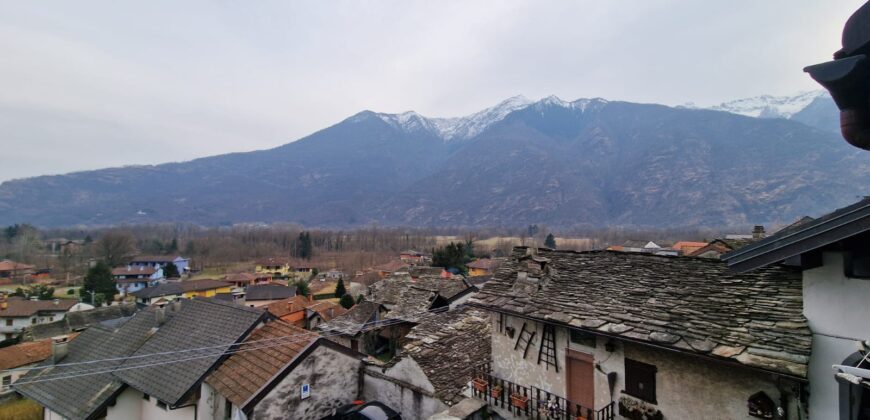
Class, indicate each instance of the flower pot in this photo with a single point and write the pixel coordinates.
(496, 391)
(479, 384)
(519, 401)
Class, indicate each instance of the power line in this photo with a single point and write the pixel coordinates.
(287, 340)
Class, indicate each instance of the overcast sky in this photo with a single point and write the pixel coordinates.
(91, 84)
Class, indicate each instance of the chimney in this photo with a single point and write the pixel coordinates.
(176, 305)
(758, 232)
(160, 314)
(59, 348)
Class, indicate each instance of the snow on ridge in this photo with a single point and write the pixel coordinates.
(463, 128)
(768, 106)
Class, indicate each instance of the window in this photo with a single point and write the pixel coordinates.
(857, 264)
(640, 380)
(8, 322)
(161, 404)
(228, 409)
(146, 397)
(7, 380)
(33, 320)
(583, 338)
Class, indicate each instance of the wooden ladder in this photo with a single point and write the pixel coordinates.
(547, 353)
(524, 340)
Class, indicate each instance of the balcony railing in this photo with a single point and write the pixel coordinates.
(531, 402)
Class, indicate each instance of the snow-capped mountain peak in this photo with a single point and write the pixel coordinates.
(768, 106)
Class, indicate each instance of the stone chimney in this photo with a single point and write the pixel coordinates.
(160, 314)
(59, 348)
(176, 305)
(758, 232)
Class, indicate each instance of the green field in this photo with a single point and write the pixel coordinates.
(20, 409)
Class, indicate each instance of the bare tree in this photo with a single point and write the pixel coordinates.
(115, 248)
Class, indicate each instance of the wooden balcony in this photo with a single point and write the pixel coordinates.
(531, 402)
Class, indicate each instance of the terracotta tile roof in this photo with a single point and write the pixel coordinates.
(288, 306)
(19, 307)
(202, 284)
(448, 347)
(394, 265)
(482, 264)
(133, 271)
(326, 310)
(244, 373)
(9, 265)
(693, 305)
(688, 246)
(26, 353)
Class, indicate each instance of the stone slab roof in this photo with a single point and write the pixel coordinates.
(694, 305)
(405, 296)
(357, 319)
(246, 372)
(448, 347)
(199, 323)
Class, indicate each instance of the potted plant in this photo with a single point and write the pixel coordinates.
(479, 384)
(519, 401)
(496, 391)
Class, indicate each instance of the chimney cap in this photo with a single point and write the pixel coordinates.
(60, 339)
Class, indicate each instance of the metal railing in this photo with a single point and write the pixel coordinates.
(531, 402)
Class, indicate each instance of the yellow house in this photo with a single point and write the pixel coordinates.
(278, 267)
(204, 288)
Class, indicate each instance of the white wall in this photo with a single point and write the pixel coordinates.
(411, 403)
(334, 379)
(131, 405)
(837, 310)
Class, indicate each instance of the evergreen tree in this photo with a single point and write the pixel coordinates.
(346, 301)
(170, 271)
(173, 246)
(302, 288)
(303, 246)
(452, 255)
(550, 242)
(99, 280)
(340, 291)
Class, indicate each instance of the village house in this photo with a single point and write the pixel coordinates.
(262, 295)
(243, 280)
(482, 267)
(302, 376)
(160, 261)
(415, 257)
(14, 270)
(600, 334)
(720, 246)
(16, 358)
(16, 313)
(634, 245)
(687, 247)
(166, 292)
(833, 256)
(323, 311)
(141, 369)
(385, 270)
(275, 266)
(431, 372)
(131, 279)
(357, 329)
(77, 321)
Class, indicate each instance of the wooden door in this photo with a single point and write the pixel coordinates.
(580, 378)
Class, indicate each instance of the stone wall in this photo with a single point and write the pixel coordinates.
(404, 388)
(687, 386)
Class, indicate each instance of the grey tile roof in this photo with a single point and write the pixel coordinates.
(693, 305)
(448, 347)
(199, 323)
(79, 392)
(162, 289)
(77, 321)
(269, 292)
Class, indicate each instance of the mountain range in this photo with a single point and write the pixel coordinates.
(582, 163)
